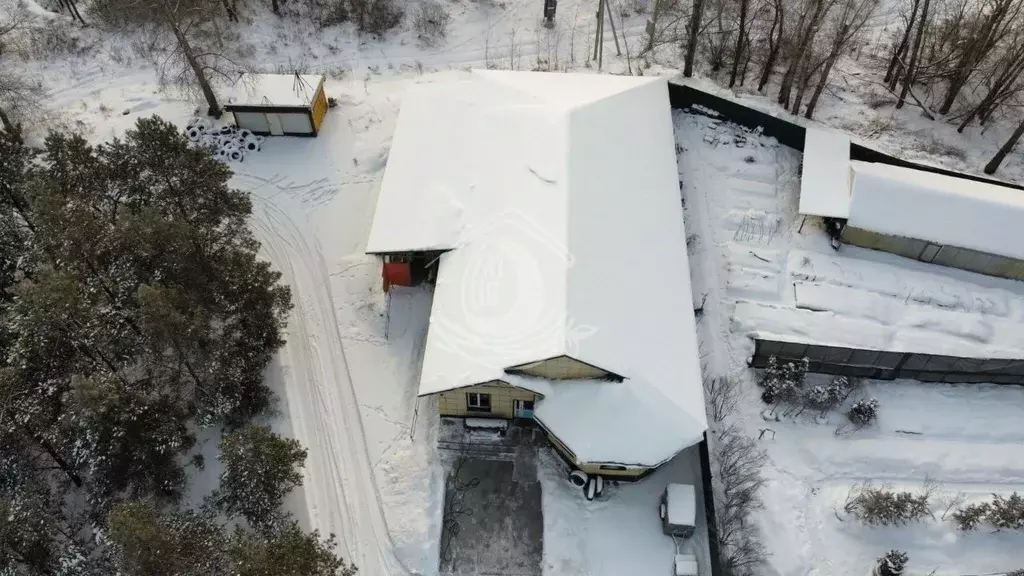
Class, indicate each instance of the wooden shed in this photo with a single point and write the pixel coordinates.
(279, 104)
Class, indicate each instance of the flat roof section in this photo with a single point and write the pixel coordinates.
(825, 181)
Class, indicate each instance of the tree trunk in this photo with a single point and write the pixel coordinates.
(773, 45)
(655, 12)
(5, 120)
(822, 83)
(739, 42)
(73, 6)
(911, 71)
(204, 84)
(902, 47)
(691, 41)
(996, 160)
(806, 35)
(274, 6)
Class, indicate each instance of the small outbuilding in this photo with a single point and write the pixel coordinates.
(279, 104)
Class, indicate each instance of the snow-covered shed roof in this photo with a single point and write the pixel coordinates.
(681, 509)
(825, 181)
(275, 90)
(941, 209)
(557, 197)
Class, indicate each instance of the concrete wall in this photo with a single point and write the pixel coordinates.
(561, 368)
(453, 402)
(952, 256)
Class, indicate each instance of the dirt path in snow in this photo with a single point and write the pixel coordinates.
(340, 492)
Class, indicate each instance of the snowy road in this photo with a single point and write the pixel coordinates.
(340, 493)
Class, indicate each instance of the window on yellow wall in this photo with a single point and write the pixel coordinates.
(477, 402)
(614, 467)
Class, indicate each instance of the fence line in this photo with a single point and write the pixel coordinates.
(881, 365)
(792, 134)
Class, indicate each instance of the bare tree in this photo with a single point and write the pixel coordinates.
(911, 69)
(996, 160)
(994, 21)
(17, 94)
(807, 29)
(1004, 81)
(900, 49)
(721, 396)
(740, 39)
(693, 31)
(192, 58)
(774, 41)
(847, 25)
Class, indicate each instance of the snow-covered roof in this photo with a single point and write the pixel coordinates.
(557, 197)
(825, 181)
(681, 506)
(287, 90)
(940, 209)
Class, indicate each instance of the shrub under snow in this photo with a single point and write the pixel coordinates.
(863, 412)
(1004, 513)
(892, 564)
(882, 506)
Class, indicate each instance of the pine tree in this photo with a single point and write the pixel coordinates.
(287, 551)
(260, 468)
(147, 542)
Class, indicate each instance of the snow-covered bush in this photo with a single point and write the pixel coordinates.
(431, 21)
(863, 412)
(1003, 512)
(881, 506)
(782, 383)
(892, 564)
(375, 16)
(1007, 513)
(971, 516)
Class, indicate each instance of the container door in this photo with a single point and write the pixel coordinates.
(274, 121)
(522, 408)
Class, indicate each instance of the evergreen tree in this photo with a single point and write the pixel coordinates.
(287, 552)
(147, 542)
(260, 468)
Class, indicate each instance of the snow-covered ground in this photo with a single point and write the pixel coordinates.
(748, 254)
(347, 377)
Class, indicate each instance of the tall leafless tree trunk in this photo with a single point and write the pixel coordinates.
(691, 41)
(901, 48)
(911, 72)
(978, 46)
(806, 33)
(774, 42)
(996, 160)
(744, 5)
(194, 64)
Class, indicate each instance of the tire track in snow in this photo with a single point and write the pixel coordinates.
(341, 495)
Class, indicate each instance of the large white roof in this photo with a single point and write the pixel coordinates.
(557, 197)
(940, 209)
(275, 90)
(825, 181)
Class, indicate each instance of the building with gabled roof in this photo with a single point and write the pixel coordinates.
(550, 206)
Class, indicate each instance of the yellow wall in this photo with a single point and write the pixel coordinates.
(561, 368)
(453, 402)
(319, 108)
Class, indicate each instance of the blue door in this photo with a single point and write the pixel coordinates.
(522, 408)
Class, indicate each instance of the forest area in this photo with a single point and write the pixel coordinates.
(134, 312)
(957, 61)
